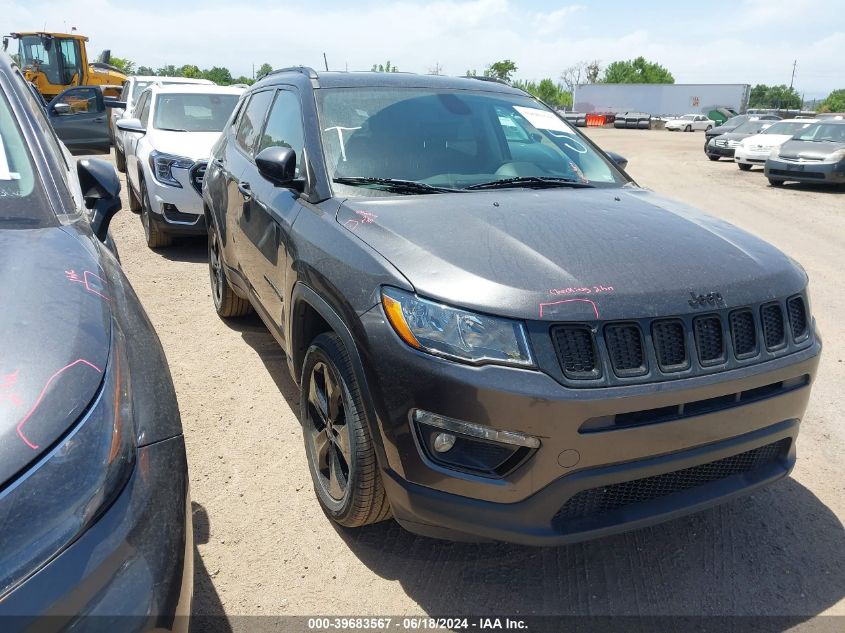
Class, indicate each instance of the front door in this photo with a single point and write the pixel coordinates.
(79, 117)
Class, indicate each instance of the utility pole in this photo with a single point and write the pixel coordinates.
(794, 64)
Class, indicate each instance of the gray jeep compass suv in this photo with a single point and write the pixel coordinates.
(496, 333)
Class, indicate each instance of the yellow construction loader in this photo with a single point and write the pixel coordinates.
(56, 61)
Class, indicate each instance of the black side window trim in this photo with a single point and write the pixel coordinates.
(251, 155)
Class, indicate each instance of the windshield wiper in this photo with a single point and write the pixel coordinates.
(530, 181)
(172, 129)
(20, 220)
(393, 184)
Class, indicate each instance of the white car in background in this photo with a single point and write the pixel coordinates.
(754, 150)
(132, 89)
(167, 145)
(690, 123)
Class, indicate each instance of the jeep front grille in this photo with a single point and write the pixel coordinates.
(650, 350)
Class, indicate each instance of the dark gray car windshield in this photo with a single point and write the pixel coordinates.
(451, 139)
(23, 203)
(823, 132)
(193, 112)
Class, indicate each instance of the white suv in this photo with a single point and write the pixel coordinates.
(132, 89)
(167, 145)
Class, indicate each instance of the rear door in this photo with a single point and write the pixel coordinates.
(238, 161)
(273, 210)
(79, 117)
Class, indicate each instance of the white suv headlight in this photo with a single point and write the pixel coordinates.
(454, 333)
(163, 164)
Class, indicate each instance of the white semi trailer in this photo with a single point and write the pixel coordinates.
(660, 99)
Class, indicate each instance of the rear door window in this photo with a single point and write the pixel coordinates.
(253, 120)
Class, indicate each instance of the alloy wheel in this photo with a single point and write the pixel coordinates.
(327, 430)
(215, 266)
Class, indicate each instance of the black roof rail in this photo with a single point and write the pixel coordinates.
(305, 70)
(493, 79)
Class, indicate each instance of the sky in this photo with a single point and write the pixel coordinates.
(713, 41)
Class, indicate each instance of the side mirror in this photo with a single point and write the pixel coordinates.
(278, 165)
(101, 190)
(61, 108)
(130, 125)
(621, 161)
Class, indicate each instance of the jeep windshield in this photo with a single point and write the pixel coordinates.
(377, 137)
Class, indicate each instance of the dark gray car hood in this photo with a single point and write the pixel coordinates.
(813, 150)
(55, 328)
(566, 254)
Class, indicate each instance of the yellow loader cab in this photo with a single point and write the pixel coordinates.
(56, 61)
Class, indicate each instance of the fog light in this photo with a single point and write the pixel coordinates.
(471, 429)
(443, 442)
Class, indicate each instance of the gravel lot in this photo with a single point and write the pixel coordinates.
(264, 547)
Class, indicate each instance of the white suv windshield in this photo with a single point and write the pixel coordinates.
(193, 112)
(452, 138)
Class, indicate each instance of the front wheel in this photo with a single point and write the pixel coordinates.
(713, 156)
(688, 128)
(775, 182)
(155, 237)
(340, 451)
(119, 160)
(744, 166)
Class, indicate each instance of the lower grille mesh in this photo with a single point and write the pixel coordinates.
(625, 345)
(670, 344)
(797, 317)
(576, 351)
(744, 333)
(599, 501)
(773, 329)
(709, 340)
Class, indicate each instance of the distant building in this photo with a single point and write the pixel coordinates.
(661, 99)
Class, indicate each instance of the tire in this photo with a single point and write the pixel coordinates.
(688, 128)
(744, 166)
(226, 302)
(134, 203)
(775, 182)
(119, 160)
(708, 128)
(340, 451)
(713, 156)
(156, 238)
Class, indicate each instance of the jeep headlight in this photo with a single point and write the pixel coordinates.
(454, 333)
(162, 166)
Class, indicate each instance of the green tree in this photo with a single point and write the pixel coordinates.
(501, 70)
(219, 75)
(168, 70)
(580, 73)
(385, 68)
(190, 71)
(265, 69)
(637, 71)
(472, 73)
(126, 65)
(145, 70)
(546, 91)
(781, 97)
(243, 80)
(835, 102)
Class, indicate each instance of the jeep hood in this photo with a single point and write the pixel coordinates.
(564, 254)
(55, 328)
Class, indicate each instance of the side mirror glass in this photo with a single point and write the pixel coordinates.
(61, 108)
(278, 165)
(621, 161)
(101, 190)
(130, 125)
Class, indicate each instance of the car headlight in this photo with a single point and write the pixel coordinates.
(836, 156)
(454, 333)
(47, 508)
(162, 166)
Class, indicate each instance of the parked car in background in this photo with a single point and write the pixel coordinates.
(132, 89)
(755, 149)
(723, 146)
(495, 333)
(94, 503)
(816, 154)
(734, 122)
(690, 123)
(167, 147)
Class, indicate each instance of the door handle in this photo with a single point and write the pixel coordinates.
(99, 119)
(245, 190)
(217, 162)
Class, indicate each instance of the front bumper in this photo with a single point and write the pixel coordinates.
(131, 571)
(177, 210)
(718, 150)
(524, 505)
(751, 157)
(817, 172)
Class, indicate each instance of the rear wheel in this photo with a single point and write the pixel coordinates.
(156, 238)
(337, 439)
(226, 302)
(744, 166)
(688, 128)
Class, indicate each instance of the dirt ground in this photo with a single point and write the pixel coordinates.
(264, 547)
